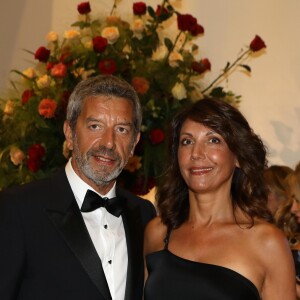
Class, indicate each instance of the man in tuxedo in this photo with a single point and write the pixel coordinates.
(59, 239)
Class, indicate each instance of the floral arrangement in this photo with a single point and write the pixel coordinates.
(165, 72)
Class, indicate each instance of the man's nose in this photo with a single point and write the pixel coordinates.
(108, 138)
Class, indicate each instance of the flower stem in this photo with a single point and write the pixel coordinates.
(175, 42)
(226, 70)
(113, 8)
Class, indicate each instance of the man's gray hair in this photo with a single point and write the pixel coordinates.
(105, 85)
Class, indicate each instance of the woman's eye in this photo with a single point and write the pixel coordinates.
(215, 140)
(186, 142)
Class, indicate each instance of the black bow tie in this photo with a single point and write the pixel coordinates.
(93, 201)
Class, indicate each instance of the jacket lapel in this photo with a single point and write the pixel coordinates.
(134, 239)
(66, 217)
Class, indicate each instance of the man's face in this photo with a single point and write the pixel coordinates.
(103, 140)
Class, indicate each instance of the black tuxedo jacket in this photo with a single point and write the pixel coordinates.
(46, 251)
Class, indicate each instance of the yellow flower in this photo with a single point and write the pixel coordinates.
(44, 81)
(9, 108)
(52, 36)
(16, 156)
(30, 73)
(133, 164)
(160, 53)
(71, 34)
(174, 58)
(179, 91)
(111, 34)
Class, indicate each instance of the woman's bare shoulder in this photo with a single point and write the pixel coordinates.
(154, 236)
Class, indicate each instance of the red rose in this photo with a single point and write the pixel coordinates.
(159, 11)
(156, 136)
(35, 155)
(47, 108)
(140, 84)
(36, 152)
(42, 54)
(257, 44)
(33, 165)
(186, 22)
(196, 29)
(201, 66)
(66, 58)
(49, 65)
(84, 8)
(107, 66)
(139, 8)
(27, 94)
(59, 70)
(99, 44)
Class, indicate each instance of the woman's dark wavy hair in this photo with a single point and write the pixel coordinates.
(248, 189)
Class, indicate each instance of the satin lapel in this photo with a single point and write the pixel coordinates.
(68, 220)
(134, 239)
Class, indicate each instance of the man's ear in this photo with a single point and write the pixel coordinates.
(68, 135)
(135, 143)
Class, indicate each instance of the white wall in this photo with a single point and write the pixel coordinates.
(270, 96)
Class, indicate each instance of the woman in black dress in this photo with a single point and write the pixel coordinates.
(213, 238)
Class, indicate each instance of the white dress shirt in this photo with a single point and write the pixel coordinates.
(107, 233)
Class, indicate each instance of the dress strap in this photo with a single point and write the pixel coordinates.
(167, 238)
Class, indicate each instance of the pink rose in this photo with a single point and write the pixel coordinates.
(42, 54)
(47, 108)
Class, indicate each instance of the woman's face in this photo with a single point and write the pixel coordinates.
(205, 161)
(295, 209)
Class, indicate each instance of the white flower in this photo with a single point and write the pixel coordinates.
(160, 53)
(138, 27)
(71, 34)
(30, 73)
(174, 58)
(111, 34)
(52, 36)
(179, 91)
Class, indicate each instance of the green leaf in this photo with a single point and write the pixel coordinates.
(151, 12)
(168, 43)
(246, 67)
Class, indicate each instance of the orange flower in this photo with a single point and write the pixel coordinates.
(140, 84)
(59, 70)
(133, 164)
(47, 108)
